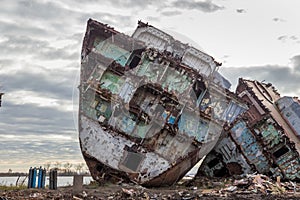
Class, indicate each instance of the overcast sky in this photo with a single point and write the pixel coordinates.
(40, 44)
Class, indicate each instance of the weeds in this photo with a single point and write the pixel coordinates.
(11, 187)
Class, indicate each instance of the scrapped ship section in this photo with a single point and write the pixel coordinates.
(150, 106)
(265, 139)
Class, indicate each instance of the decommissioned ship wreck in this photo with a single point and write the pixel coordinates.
(264, 139)
(151, 107)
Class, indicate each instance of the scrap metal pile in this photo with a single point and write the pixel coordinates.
(151, 107)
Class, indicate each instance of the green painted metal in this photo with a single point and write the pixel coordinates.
(109, 50)
(111, 82)
(270, 135)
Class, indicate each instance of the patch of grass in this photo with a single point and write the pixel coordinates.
(5, 187)
(93, 185)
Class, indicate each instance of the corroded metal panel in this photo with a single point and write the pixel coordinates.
(290, 109)
(249, 146)
(190, 56)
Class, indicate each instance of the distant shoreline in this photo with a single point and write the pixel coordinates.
(26, 174)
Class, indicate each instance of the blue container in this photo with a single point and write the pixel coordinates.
(33, 178)
(43, 177)
(30, 174)
(40, 176)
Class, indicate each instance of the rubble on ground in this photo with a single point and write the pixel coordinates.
(252, 186)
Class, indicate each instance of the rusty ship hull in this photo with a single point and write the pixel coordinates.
(151, 107)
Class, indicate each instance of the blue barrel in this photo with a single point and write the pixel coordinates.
(30, 178)
(55, 180)
(33, 178)
(51, 179)
(43, 177)
(40, 175)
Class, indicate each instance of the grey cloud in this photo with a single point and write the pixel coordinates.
(5, 62)
(115, 20)
(276, 19)
(282, 77)
(152, 19)
(296, 63)
(44, 16)
(52, 54)
(293, 37)
(20, 45)
(29, 118)
(76, 37)
(170, 13)
(241, 10)
(22, 29)
(282, 38)
(287, 38)
(50, 19)
(64, 150)
(133, 3)
(57, 84)
(204, 6)
(41, 10)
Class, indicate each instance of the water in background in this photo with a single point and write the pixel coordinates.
(61, 180)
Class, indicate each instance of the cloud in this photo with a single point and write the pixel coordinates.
(133, 3)
(40, 10)
(288, 38)
(293, 37)
(283, 38)
(296, 63)
(276, 19)
(14, 28)
(283, 78)
(137, 3)
(152, 19)
(241, 10)
(204, 6)
(27, 118)
(170, 13)
(38, 49)
(36, 151)
(50, 83)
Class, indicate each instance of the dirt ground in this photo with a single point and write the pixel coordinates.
(255, 186)
(125, 191)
